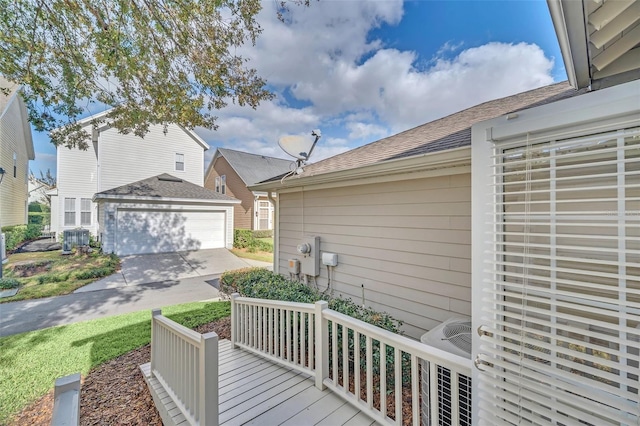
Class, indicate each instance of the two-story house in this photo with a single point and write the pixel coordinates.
(16, 149)
(231, 172)
(141, 195)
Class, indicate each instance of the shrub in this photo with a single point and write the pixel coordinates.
(263, 233)
(8, 283)
(15, 235)
(53, 278)
(242, 238)
(99, 272)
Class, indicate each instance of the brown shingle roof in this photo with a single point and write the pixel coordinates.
(453, 131)
(164, 186)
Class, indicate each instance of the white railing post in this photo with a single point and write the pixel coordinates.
(208, 392)
(234, 320)
(154, 343)
(322, 344)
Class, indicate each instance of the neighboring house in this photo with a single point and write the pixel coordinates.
(115, 160)
(38, 191)
(16, 149)
(231, 172)
(164, 214)
(523, 213)
(398, 214)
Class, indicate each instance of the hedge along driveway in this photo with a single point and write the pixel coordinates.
(30, 362)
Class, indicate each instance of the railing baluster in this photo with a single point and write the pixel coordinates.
(334, 352)
(397, 375)
(312, 342)
(357, 368)
(304, 344)
(345, 357)
(295, 338)
(415, 390)
(369, 346)
(383, 379)
(433, 392)
(282, 333)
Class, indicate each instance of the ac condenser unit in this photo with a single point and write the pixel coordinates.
(74, 237)
(453, 336)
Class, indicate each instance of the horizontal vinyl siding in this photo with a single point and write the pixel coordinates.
(13, 190)
(407, 242)
(77, 178)
(243, 212)
(129, 158)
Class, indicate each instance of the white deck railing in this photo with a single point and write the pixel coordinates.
(369, 363)
(280, 331)
(186, 364)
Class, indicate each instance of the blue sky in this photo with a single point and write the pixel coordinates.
(363, 70)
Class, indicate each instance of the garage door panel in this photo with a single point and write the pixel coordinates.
(167, 231)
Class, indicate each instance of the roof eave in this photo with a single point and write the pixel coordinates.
(435, 160)
(570, 25)
(161, 199)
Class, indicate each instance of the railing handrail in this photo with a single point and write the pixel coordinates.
(298, 306)
(430, 353)
(190, 336)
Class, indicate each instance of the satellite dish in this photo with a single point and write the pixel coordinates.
(299, 147)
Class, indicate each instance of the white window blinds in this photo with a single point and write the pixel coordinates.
(561, 311)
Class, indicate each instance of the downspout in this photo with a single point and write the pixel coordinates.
(276, 230)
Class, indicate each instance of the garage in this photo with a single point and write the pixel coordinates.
(162, 231)
(164, 214)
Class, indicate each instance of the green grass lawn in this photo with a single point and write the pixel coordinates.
(46, 274)
(30, 362)
(258, 255)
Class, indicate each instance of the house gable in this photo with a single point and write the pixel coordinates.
(235, 187)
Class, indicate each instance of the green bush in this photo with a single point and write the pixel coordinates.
(39, 218)
(246, 239)
(8, 283)
(39, 208)
(15, 235)
(263, 233)
(100, 272)
(242, 238)
(53, 278)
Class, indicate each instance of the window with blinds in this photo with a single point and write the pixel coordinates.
(561, 311)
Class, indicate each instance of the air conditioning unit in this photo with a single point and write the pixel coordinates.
(453, 336)
(74, 237)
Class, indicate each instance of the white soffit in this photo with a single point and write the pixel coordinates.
(610, 31)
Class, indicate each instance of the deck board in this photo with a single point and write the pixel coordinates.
(254, 390)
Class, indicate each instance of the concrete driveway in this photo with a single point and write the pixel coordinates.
(155, 268)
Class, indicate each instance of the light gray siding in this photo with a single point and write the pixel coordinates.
(128, 158)
(408, 242)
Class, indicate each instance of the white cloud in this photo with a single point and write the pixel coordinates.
(325, 58)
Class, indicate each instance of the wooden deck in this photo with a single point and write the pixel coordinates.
(254, 390)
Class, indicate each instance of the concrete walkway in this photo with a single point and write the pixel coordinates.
(145, 282)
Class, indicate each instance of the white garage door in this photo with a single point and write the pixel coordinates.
(162, 231)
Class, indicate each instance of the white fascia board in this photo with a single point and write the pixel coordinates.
(458, 157)
(53, 191)
(571, 30)
(162, 199)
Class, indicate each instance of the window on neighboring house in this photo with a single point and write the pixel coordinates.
(15, 165)
(223, 184)
(85, 211)
(180, 162)
(69, 211)
(217, 183)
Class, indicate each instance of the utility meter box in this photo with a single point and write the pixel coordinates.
(309, 249)
(294, 266)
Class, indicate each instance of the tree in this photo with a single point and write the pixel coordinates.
(47, 178)
(153, 61)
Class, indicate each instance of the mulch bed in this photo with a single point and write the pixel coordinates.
(114, 393)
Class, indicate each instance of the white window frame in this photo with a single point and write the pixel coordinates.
(217, 184)
(15, 165)
(604, 111)
(223, 184)
(179, 164)
(70, 208)
(86, 207)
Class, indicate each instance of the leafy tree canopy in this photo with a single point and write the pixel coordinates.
(153, 61)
